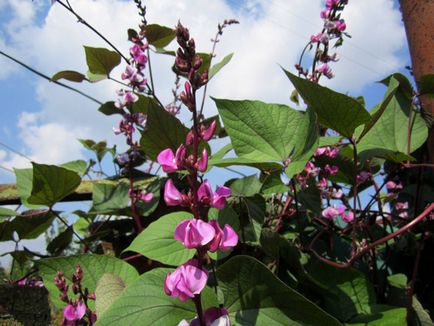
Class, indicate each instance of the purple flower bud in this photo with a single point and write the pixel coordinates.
(331, 211)
(74, 311)
(202, 164)
(172, 196)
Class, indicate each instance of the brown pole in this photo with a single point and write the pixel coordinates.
(418, 17)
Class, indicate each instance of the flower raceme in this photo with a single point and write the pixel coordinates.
(172, 162)
(186, 281)
(215, 199)
(332, 211)
(194, 233)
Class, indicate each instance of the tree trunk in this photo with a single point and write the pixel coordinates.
(418, 17)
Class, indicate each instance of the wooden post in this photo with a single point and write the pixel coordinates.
(418, 17)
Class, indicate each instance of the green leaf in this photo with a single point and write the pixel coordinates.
(70, 75)
(426, 85)
(157, 242)
(108, 196)
(254, 296)
(267, 132)
(31, 224)
(422, 316)
(51, 184)
(272, 183)
(245, 187)
(108, 288)
(61, 242)
(93, 78)
(216, 68)
(159, 36)
(335, 110)
(393, 87)
(389, 134)
(263, 166)
(251, 225)
(163, 130)
(6, 212)
(78, 166)
(144, 302)
(349, 292)
(144, 104)
(310, 198)
(24, 180)
(382, 315)
(296, 166)
(109, 108)
(101, 61)
(398, 280)
(93, 266)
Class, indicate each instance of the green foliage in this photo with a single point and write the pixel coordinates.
(163, 131)
(268, 132)
(336, 111)
(426, 85)
(101, 61)
(93, 266)
(218, 66)
(78, 166)
(70, 75)
(245, 187)
(51, 184)
(108, 288)
(60, 242)
(110, 196)
(27, 225)
(145, 301)
(254, 296)
(6, 212)
(157, 242)
(159, 36)
(109, 108)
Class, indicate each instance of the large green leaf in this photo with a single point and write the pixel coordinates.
(246, 187)
(6, 212)
(157, 242)
(109, 196)
(93, 266)
(349, 292)
(163, 130)
(159, 36)
(51, 184)
(267, 132)
(109, 108)
(24, 180)
(382, 315)
(390, 133)
(79, 166)
(252, 222)
(263, 166)
(101, 61)
(336, 111)
(29, 225)
(254, 296)
(145, 303)
(108, 288)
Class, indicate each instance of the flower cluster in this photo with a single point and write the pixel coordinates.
(189, 279)
(332, 211)
(333, 29)
(77, 310)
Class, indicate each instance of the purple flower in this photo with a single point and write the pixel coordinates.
(145, 196)
(172, 162)
(123, 158)
(332, 170)
(316, 38)
(340, 25)
(74, 311)
(348, 217)
(215, 199)
(208, 132)
(194, 233)
(186, 281)
(391, 185)
(331, 212)
(325, 70)
(330, 4)
(363, 176)
(172, 196)
(202, 164)
(224, 239)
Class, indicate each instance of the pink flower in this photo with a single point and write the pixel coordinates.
(332, 153)
(172, 196)
(390, 185)
(348, 217)
(316, 38)
(215, 199)
(324, 14)
(202, 164)
(207, 133)
(331, 211)
(172, 162)
(323, 182)
(73, 312)
(340, 25)
(186, 281)
(194, 233)
(224, 239)
(337, 193)
(332, 170)
(320, 151)
(146, 197)
(363, 176)
(331, 3)
(325, 70)
(401, 205)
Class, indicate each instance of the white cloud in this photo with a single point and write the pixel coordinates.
(270, 33)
